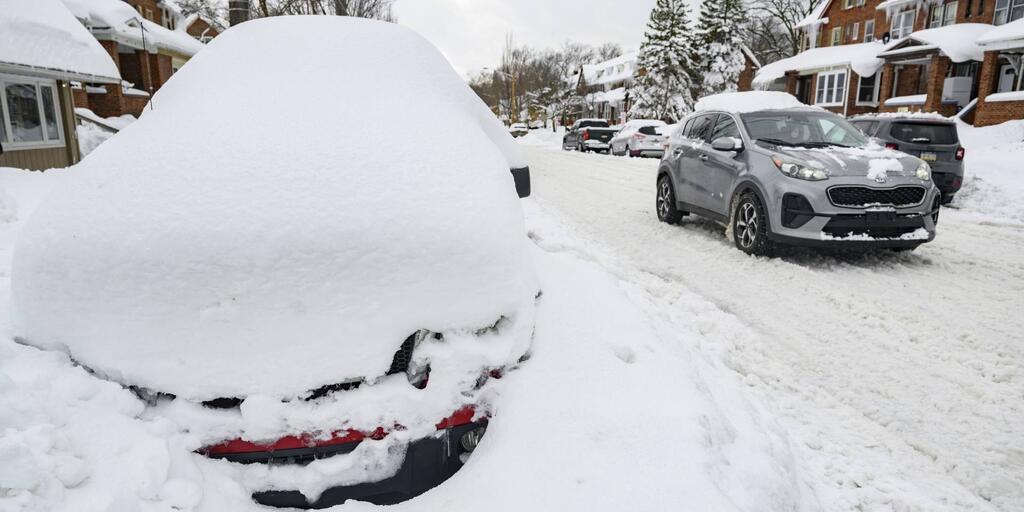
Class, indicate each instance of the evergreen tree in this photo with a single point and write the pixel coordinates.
(664, 81)
(719, 37)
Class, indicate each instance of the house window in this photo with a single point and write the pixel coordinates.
(830, 89)
(1008, 10)
(869, 31)
(29, 113)
(867, 90)
(848, 4)
(837, 36)
(854, 31)
(168, 18)
(943, 15)
(903, 23)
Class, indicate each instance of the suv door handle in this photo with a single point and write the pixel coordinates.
(703, 157)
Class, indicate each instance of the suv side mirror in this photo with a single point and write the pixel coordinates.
(727, 144)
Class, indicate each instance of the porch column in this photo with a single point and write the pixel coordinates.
(888, 74)
(145, 70)
(791, 78)
(989, 76)
(936, 80)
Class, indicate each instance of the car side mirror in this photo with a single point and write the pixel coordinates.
(727, 144)
(521, 176)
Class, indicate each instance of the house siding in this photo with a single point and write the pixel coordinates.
(54, 157)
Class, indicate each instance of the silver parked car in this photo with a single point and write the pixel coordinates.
(795, 176)
(933, 139)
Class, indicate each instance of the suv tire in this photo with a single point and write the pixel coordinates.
(749, 225)
(665, 204)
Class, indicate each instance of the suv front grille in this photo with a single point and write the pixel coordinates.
(860, 197)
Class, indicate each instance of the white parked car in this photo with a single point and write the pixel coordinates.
(320, 316)
(639, 137)
(519, 129)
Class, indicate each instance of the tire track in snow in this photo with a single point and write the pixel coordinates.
(900, 375)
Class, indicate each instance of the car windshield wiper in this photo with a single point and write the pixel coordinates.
(822, 144)
(776, 142)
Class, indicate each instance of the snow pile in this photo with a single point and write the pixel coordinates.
(751, 101)
(862, 58)
(43, 34)
(958, 42)
(1009, 35)
(879, 168)
(925, 116)
(993, 184)
(275, 261)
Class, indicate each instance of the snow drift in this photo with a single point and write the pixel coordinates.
(251, 238)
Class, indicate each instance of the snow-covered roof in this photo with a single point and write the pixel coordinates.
(750, 55)
(123, 22)
(1010, 35)
(612, 96)
(815, 17)
(914, 99)
(750, 101)
(289, 257)
(611, 71)
(44, 36)
(958, 42)
(862, 58)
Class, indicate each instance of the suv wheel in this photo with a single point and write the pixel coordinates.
(666, 202)
(750, 225)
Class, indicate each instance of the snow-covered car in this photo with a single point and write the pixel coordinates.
(930, 137)
(778, 172)
(324, 320)
(519, 129)
(639, 137)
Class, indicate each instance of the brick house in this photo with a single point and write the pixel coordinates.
(862, 56)
(606, 86)
(1001, 91)
(45, 49)
(148, 40)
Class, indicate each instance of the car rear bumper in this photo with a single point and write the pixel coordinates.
(596, 144)
(428, 462)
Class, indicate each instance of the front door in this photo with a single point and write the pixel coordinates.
(803, 89)
(1006, 78)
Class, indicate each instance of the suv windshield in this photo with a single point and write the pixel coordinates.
(811, 129)
(924, 133)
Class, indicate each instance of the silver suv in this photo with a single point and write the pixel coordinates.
(933, 139)
(795, 176)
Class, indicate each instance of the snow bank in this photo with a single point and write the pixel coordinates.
(751, 101)
(862, 58)
(993, 184)
(271, 251)
(43, 34)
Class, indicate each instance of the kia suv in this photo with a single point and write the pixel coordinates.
(777, 172)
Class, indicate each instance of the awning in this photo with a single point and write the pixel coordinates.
(958, 42)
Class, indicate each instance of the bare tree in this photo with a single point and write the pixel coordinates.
(608, 51)
(772, 32)
(375, 9)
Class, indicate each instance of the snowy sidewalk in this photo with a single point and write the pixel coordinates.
(897, 376)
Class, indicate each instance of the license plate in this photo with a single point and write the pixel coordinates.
(880, 216)
(929, 157)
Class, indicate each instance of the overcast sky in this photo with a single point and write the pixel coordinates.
(471, 33)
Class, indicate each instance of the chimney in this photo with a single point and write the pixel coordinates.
(238, 11)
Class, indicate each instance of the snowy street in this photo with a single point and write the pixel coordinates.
(897, 376)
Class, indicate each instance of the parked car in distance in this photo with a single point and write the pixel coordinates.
(777, 172)
(588, 135)
(519, 129)
(930, 137)
(639, 137)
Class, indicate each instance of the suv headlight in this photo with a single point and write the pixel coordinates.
(799, 171)
(924, 172)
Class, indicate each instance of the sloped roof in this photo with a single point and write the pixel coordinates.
(123, 21)
(958, 42)
(862, 58)
(43, 35)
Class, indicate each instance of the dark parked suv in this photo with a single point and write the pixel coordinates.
(933, 139)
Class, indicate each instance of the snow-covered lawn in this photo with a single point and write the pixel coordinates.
(897, 377)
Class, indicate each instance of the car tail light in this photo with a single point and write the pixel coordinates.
(891, 145)
(586, 135)
(960, 152)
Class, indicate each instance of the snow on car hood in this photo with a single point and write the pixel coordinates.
(302, 196)
(864, 161)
